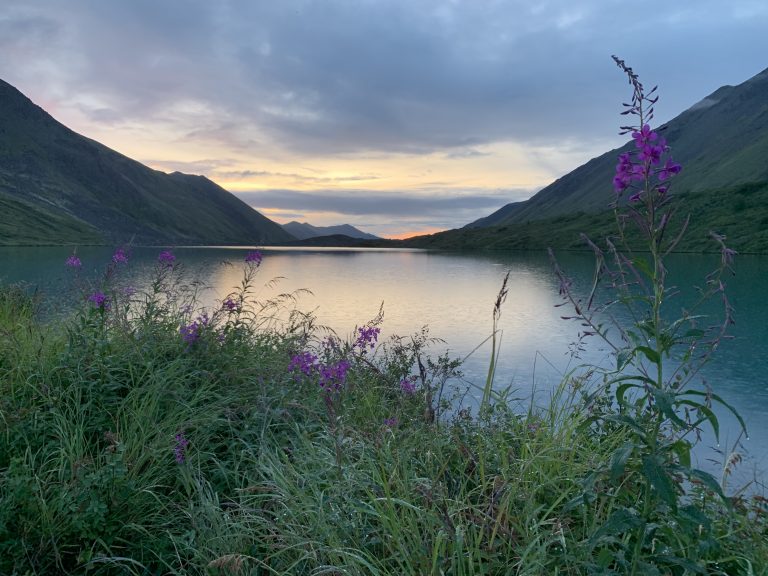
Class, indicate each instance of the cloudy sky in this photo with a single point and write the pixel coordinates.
(397, 116)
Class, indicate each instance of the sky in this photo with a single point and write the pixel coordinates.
(396, 116)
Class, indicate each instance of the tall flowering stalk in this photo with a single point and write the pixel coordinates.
(652, 401)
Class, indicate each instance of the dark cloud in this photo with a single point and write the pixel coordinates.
(434, 203)
(468, 153)
(336, 76)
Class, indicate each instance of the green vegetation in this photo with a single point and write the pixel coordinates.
(142, 436)
(739, 212)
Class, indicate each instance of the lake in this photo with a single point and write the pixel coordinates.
(454, 294)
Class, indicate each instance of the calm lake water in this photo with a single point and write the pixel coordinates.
(454, 294)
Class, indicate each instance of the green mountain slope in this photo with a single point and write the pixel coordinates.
(722, 143)
(61, 187)
(740, 212)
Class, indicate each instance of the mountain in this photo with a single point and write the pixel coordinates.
(303, 231)
(722, 143)
(57, 186)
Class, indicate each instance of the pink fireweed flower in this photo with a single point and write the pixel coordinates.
(408, 385)
(644, 136)
(99, 300)
(254, 258)
(166, 258)
(180, 448)
(120, 256)
(191, 332)
(304, 362)
(73, 262)
(652, 153)
(670, 169)
(333, 376)
(367, 336)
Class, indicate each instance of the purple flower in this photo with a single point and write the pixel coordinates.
(652, 153)
(166, 258)
(254, 258)
(120, 256)
(333, 376)
(390, 422)
(191, 332)
(180, 448)
(670, 169)
(129, 291)
(367, 336)
(230, 305)
(644, 136)
(304, 362)
(408, 385)
(73, 262)
(99, 300)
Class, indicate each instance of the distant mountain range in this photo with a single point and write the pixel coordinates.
(57, 186)
(722, 143)
(303, 231)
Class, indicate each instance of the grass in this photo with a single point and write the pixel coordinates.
(284, 476)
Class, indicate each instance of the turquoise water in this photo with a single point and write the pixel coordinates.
(454, 294)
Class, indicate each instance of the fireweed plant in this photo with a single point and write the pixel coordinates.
(662, 524)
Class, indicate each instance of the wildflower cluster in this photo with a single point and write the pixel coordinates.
(230, 305)
(408, 385)
(367, 336)
(641, 169)
(191, 332)
(99, 300)
(254, 258)
(166, 258)
(333, 376)
(179, 450)
(120, 256)
(74, 262)
(304, 362)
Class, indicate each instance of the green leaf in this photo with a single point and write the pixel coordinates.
(629, 422)
(620, 522)
(683, 450)
(660, 480)
(621, 391)
(642, 265)
(709, 481)
(681, 562)
(694, 333)
(664, 401)
(623, 358)
(650, 353)
(695, 518)
(708, 415)
(619, 460)
(722, 402)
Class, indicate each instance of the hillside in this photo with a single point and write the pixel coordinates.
(57, 186)
(722, 143)
(303, 231)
